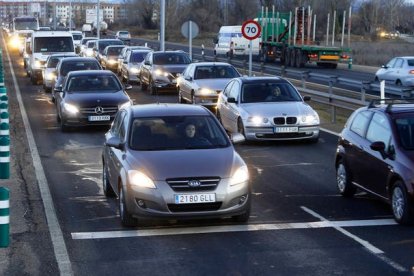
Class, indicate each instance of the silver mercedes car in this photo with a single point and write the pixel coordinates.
(174, 161)
(267, 108)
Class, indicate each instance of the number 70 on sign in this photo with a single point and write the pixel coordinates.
(251, 29)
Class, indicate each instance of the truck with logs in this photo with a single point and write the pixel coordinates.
(288, 37)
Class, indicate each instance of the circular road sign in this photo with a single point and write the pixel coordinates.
(185, 29)
(251, 29)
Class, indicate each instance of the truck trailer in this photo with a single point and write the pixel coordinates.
(287, 37)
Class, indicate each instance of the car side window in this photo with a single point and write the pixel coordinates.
(379, 130)
(360, 123)
(122, 128)
(227, 89)
(399, 63)
(117, 123)
(234, 91)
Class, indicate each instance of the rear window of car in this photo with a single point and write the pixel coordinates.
(77, 66)
(410, 62)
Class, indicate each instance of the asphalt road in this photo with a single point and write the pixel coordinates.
(299, 224)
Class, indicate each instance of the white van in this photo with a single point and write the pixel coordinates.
(230, 41)
(44, 44)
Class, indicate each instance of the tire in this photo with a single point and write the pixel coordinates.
(144, 86)
(402, 207)
(126, 218)
(152, 88)
(180, 97)
(106, 185)
(240, 127)
(398, 83)
(33, 79)
(343, 181)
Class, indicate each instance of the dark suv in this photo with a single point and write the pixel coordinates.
(159, 70)
(376, 154)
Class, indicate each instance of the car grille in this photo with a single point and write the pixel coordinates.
(106, 110)
(182, 184)
(285, 120)
(284, 135)
(194, 207)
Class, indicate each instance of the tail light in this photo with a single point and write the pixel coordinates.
(344, 57)
(411, 72)
(313, 56)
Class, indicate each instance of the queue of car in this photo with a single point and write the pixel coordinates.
(146, 140)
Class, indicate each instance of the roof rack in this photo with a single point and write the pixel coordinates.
(390, 102)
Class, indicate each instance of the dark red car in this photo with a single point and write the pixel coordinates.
(376, 154)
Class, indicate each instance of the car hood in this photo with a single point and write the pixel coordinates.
(171, 68)
(96, 98)
(215, 84)
(277, 109)
(160, 165)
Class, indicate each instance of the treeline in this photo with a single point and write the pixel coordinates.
(368, 16)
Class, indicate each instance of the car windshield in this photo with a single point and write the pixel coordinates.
(215, 72)
(176, 133)
(53, 62)
(405, 128)
(53, 44)
(137, 57)
(269, 92)
(93, 83)
(124, 33)
(66, 67)
(171, 58)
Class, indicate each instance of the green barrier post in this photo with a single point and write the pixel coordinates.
(4, 217)
(4, 157)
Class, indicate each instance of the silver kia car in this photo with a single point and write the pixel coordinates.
(174, 161)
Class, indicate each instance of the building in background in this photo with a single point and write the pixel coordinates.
(47, 11)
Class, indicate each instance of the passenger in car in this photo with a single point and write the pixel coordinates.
(191, 139)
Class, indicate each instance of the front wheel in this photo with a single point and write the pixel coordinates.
(240, 127)
(126, 218)
(343, 181)
(402, 207)
(106, 185)
(180, 97)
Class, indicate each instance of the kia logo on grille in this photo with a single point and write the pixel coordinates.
(99, 110)
(194, 183)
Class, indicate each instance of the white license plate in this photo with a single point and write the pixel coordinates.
(99, 118)
(286, 129)
(195, 198)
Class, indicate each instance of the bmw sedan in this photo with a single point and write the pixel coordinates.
(267, 108)
(90, 97)
(201, 82)
(174, 161)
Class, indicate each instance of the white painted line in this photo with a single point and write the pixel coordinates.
(371, 248)
(56, 235)
(330, 131)
(227, 228)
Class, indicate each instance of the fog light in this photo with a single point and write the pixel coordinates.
(242, 199)
(141, 203)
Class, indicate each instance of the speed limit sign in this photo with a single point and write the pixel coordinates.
(251, 29)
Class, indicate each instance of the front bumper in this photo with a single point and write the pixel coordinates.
(268, 133)
(208, 100)
(160, 203)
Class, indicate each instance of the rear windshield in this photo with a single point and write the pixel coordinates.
(104, 44)
(53, 44)
(77, 66)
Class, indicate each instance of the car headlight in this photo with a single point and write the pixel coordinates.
(89, 52)
(70, 108)
(134, 70)
(206, 91)
(137, 178)
(240, 175)
(310, 119)
(257, 120)
(15, 42)
(159, 72)
(50, 76)
(124, 105)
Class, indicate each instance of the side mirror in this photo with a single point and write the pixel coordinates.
(306, 98)
(147, 62)
(114, 142)
(58, 89)
(128, 87)
(188, 78)
(384, 66)
(231, 100)
(125, 62)
(380, 147)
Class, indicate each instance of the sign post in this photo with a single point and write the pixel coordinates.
(251, 30)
